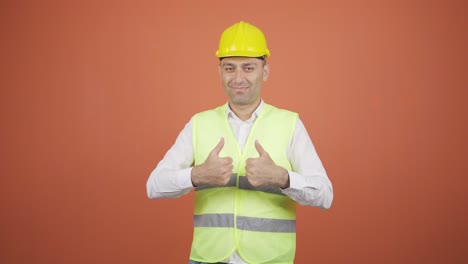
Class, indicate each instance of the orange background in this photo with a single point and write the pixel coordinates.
(93, 93)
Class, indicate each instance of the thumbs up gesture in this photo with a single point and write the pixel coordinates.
(215, 170)
(263, 171)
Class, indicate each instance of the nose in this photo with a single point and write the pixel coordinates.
(239, 76)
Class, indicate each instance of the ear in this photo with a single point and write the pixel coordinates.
(266, 71)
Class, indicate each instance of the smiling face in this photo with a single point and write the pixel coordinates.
(242, 79)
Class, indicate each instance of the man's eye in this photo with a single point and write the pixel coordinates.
(229, 69)
(249, 69)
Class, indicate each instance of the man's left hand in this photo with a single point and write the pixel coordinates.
(263, 171)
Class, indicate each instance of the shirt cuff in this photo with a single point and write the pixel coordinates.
(299, 182)
(184, 178)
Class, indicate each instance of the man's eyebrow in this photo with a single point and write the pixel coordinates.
(242, 65)
(228, 64)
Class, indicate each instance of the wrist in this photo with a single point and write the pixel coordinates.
(195, 176)
(284, 184)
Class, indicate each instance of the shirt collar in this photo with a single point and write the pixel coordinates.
(230, 113)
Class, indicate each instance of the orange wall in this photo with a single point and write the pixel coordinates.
(93, 93)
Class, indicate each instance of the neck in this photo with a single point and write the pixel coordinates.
(244, 112)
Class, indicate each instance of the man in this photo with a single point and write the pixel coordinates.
(249, 162)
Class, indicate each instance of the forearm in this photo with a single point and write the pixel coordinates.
(309, 183)
(168, 183)
(312, 190)
(171, 178)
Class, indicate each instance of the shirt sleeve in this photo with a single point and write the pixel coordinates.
(172, 176)
(309, 183)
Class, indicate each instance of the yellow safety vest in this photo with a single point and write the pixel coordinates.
(260, 223)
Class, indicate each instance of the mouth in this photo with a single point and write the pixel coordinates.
(239, 88)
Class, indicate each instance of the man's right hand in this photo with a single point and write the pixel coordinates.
(215, 170)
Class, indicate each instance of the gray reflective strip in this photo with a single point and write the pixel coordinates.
(231, 183)
(245, 223)
(213, 220)
(245, 185)
(266, 225)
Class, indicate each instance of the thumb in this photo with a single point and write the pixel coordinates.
(217, 149)
(260, 149)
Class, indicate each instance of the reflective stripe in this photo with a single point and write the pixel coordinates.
(266, 225)
(231, 183)
(245, 223)
(244, 184)
(213, 220)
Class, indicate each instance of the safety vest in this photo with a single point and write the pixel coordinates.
(260, 223)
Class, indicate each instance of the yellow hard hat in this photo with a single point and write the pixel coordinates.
(242, 40)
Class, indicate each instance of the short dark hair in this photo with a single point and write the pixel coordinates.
(260, 58)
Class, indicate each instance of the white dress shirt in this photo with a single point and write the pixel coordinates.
(308, 183)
